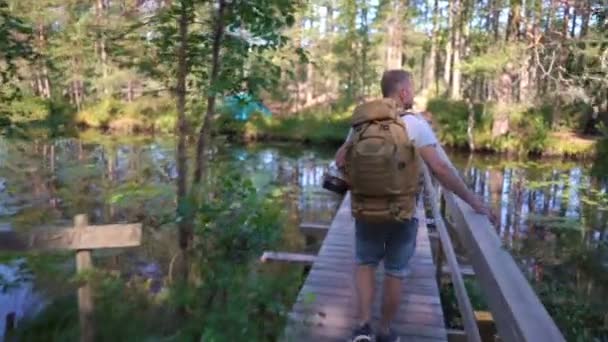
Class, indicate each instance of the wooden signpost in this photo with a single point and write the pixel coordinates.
(83, 239)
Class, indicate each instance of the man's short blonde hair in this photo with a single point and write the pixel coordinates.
(392, 79)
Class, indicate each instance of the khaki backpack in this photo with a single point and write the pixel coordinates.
(381, 164)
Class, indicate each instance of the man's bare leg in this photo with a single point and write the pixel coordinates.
(390, 301)
(365, 279)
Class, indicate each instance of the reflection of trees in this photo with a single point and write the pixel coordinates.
(554, 220)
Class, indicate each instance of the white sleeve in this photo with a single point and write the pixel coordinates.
(350, 133)
(419, 131)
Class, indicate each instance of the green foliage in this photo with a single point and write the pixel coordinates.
(600, 166)
(145, 114)
(15, 35)
(234, 299)
(494, 60)
(529, 130)
(100, 114)
(230, 298)
(450, 304)
(316, 127)
(579, 318)
(116, 302)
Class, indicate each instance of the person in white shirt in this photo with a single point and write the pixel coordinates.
(396, 244)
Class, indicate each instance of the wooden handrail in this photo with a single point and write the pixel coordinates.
(518, 313)
(464, 303)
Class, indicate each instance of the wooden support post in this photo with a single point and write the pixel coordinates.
(85, 295)
(439, 263)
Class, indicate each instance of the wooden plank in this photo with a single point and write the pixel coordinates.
(464, 269)
(85, 293)
(517, 311)
(296, 258)
(91, 237)
(343, 325)
(331, 292)
(314, 229)
(328, 295)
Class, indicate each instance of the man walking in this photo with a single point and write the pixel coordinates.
(380, 157)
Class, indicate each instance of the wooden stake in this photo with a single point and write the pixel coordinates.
(85, 295)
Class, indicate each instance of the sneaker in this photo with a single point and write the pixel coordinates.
(362, 333)
(390, 337)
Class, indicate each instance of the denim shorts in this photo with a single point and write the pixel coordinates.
(395, 242)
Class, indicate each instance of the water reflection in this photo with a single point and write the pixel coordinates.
(133, 180)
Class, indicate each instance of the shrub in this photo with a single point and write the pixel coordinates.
(231, 297)
(99, 114)
(528, 129)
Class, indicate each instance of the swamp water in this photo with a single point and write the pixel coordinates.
(553, 214)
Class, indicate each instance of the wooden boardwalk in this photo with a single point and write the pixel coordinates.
(326, 307)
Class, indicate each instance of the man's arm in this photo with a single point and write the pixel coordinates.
(451, 181)
(340, 156)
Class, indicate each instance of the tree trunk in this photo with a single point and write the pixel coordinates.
(394, 37)
(457, 41)
(47, 83)
(566, 21)
(183, 210)
(431, 69)
(447, 71)
(44, 86)
(39, 85)
(364, 47)
(503, 94)
(203, 139)
(101, 42)
(71, 93)
(496, 10)
(330, 18)
(130, 91)
(470, 124)
(513, 25)
(310, 84)
(574, 19)
(527, 64)
(76, 86)
(586, 15)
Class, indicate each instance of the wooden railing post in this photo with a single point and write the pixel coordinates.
(85, 295)
(439, 262)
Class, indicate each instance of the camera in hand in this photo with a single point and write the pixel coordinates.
(334, 180)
